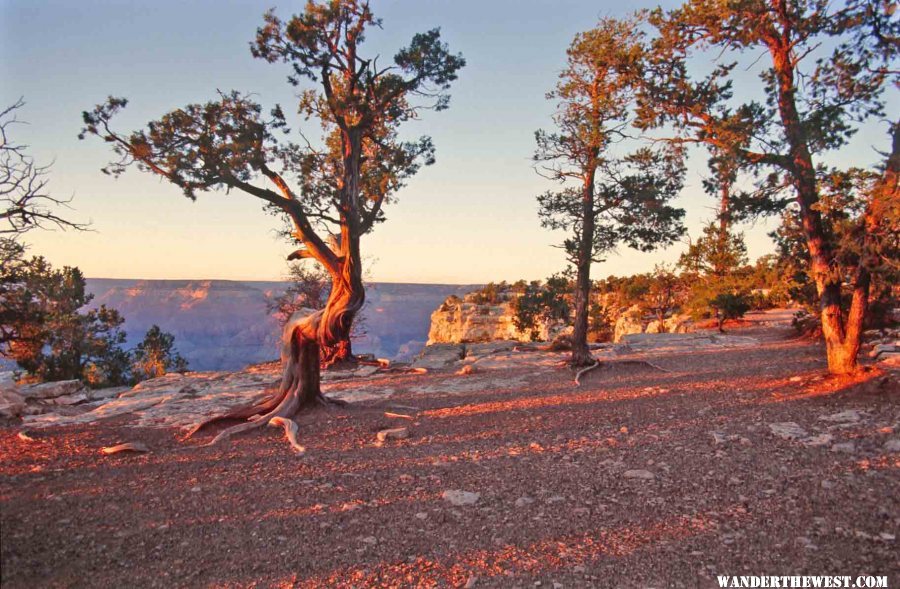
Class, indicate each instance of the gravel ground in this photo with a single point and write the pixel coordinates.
(637, 478)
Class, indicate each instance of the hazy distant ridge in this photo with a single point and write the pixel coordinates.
(223, 325)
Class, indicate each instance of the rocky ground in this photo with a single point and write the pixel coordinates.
(726, 455)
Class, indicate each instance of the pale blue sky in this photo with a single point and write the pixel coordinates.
(469, 218)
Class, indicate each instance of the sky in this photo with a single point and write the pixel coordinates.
(469, 218)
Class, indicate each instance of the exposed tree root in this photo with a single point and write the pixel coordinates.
(584, 371)
(299, 388)
(643, 363)
(613, 364)
(290, 431)
(330, 402)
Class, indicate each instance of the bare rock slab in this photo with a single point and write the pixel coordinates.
(440, 356)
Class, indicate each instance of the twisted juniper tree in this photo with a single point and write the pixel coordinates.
(608, 195)
(331, 195)
(825, 67)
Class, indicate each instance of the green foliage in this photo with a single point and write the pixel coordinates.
(839, 90)
(156, 355)
(607, 196)
(600, 323)
(491, 294)
(47, 332)
(729, 305)
(717, 253)
(824, 67)
(542, 304)
(663, 295)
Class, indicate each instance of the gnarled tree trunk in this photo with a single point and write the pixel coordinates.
(340, 354)
(302, 339)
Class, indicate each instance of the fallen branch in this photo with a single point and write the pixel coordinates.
(126, 447)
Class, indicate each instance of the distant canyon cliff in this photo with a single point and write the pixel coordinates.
(223, 324)
(468, 320)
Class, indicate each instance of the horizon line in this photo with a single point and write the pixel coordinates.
(279, 280)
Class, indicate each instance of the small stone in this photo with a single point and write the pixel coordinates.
(397, 433)
(887, 537)
(459, 498)
(892, 445)
(196, 489)
(639, 474)
(848, 416)
(523, 501)
(787, 430)
(819, 440)
(370, 540)
(844, 447)
(422, 515)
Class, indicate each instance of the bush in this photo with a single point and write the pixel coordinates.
(729, 306)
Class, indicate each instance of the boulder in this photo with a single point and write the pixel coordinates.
(51, 390)
(884, 349)
(75, 399)
(12, 404)
(889, 361)
(7, 379)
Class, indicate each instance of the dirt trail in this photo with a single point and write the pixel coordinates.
(737, 461)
